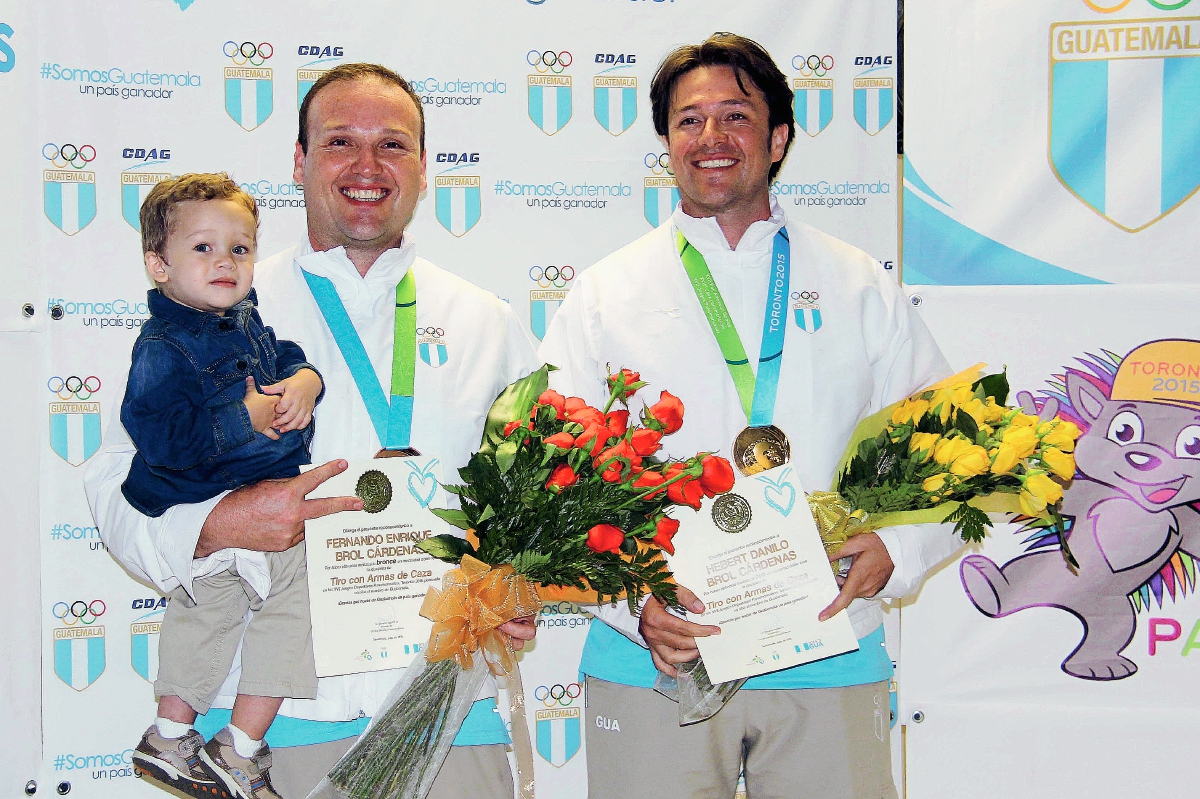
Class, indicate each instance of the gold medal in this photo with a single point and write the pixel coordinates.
(406, 452)
(757, 449)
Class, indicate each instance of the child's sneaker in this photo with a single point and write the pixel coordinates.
(244, 777)
(172, 760)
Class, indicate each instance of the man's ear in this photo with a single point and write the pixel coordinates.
(779, 140)
(424, 184)
(298, 168)
(156, 267)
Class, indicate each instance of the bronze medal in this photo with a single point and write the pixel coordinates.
(757, 449)
(406, 452)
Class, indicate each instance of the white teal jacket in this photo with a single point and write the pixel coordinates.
(485, 350)
(637, 309)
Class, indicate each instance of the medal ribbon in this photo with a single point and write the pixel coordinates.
(392, 419)
(757, 395)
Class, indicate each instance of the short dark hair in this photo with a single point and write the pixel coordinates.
(747, 58)
(344, 72)
(158, 209)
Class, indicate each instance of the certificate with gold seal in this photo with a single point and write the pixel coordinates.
(755, 558)
(366, 576)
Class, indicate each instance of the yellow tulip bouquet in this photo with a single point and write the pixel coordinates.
(951, 453)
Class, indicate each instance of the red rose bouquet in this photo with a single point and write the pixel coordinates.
(562, 500)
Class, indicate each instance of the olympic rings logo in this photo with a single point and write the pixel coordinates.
(814, 65)
(658, 164)
(806, 296)
(247, 52)
(561, 695)
(1115, 7)
(549, 61)
(432, 332)
(74, 386)
(78, 611)
(555, 276)
(69, 155)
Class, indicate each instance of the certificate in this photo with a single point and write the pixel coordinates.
(754, 557)
(366, 575)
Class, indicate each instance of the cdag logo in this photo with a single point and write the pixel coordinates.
(552, 282)
(69, 190)
(873, 94)
(143, 637)
(1132, 519)
(661, 192)
(74, 419)
(813, 103)
(1125, 115)
(79, 642)
(310, 73)
(549, 90)
(559, 727)
(457, 198)
(135, 185)
(249, 87)
(615, 96)
(431, 344)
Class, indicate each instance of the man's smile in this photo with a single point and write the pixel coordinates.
(365, 195)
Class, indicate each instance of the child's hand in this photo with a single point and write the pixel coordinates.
(297, 397)
(262, 410)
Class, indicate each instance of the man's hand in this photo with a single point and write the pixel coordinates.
(297, 398)
(672, 640)
(520, 630)
(870, 573)
(262, 410)
(269, 516)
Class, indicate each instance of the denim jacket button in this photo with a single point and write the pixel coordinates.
(241, 364)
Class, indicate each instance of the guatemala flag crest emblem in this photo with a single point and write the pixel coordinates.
(813, 103)
(550, 102)
(134, 188)
(806, 310)
(69, 199)
(75, 430)
(79, 655)
(431, 347)
(873, 101)
(615, 102)
(1125, 116)
(558, 733)
(660, 196)
(305, 78)
(143, 645)
(457, 200)
(249, 95)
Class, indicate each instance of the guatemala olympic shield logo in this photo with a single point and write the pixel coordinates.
(660, 189)
(431, 344)
(615, 100)
(873, 101)
(806, 310)
(79, 642)
(1125, 115)
(457, 201)
(558, 725)
(143, 644)
(249, 87)
(549, 90)
(68, 189)
(75, 419)
(553, 285)
(134, 188)
(813, 103)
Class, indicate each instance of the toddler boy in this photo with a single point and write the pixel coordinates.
(214, 402)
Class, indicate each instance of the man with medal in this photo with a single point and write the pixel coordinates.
(836, 340)
(354, 294)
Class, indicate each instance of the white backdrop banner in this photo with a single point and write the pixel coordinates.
(541, 160)
(1051, 142)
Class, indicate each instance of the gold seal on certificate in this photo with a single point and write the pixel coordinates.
(757, 449)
